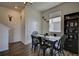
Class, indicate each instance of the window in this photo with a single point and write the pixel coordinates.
(55, 24)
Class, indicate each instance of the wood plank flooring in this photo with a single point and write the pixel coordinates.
(19, 49)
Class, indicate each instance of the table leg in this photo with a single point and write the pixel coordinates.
(51, 51)
(43, 52)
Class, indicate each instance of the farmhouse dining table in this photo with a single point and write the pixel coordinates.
(50, 39)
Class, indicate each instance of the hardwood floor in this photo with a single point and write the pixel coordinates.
(19, 49)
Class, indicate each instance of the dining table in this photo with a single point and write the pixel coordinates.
(50, 39)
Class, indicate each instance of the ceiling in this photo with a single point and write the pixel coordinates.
(12, 5)
(38, 5)
(45, 5)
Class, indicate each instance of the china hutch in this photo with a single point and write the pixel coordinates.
(71, 30)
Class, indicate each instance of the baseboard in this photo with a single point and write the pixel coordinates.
(21, 42)
(4, 50)
(14, 42)
(27, 43)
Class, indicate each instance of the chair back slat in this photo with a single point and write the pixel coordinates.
(61, 41)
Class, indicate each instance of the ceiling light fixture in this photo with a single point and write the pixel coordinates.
(27, 3)
(15, 7)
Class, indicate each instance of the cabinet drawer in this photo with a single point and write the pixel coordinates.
(71, 41)
(71, 45)
(68, 45)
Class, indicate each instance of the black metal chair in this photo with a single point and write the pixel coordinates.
(44, 45)
(59, 49)
(35, 42)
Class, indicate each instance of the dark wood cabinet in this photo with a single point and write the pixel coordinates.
(71, 30)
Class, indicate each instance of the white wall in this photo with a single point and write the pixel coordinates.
(23, 26)
(15, 24)
(32, 22)
(23, 23)
(65, 8)
(44, 24)
(4, 36)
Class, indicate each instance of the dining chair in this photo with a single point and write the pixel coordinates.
(46, 34)
(59, 49)
(55, 35)
(35, 42)
(44, 46)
